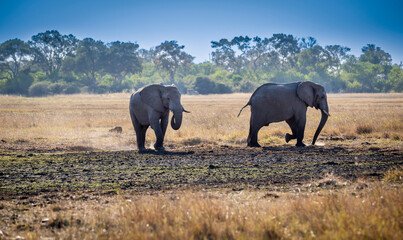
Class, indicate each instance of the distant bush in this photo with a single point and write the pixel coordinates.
(39, 89)
(222, 88)
(100, 89)
(236, 79)
(72, 90)
(56, 88)
(247, 87)
(204, 85)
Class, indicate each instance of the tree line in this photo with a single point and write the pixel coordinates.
(52, 63)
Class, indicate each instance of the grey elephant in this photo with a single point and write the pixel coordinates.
(150, 106)
(286, 102)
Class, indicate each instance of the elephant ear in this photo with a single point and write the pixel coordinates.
(151, 95)
(306, 93)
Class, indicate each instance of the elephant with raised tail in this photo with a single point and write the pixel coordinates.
(150, 106)
(286, 102)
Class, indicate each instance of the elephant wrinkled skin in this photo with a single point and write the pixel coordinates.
(286, 102)
(150, 106)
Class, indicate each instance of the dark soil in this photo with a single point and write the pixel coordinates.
(198, 167)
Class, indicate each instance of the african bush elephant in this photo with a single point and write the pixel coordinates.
(150, 106)
(286, 102)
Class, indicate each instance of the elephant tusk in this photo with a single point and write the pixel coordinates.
(326, 112)
(185, 111)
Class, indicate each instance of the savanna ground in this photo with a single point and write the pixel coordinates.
(64, 175)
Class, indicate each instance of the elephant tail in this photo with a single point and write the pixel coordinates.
(243, 108)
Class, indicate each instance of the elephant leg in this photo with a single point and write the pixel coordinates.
(300, 132)
(294, 129)
(155, 125)
(164, 124)
(140, 134)
(253, 132)
(143, 132)
(138, 130)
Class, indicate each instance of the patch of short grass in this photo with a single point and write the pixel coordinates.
(394, 175)
(364, 129)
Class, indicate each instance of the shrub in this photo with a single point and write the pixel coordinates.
(204, 85)
(247, 87)
(56, 88)
(222, 88)
(236, 79)
(101, 89)
(39, 89)
(72, 90)
(364, 129)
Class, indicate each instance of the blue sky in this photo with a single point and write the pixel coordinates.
(196, 23)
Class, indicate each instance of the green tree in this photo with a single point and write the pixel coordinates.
(375, 55)
(306, 43)
(370, 76)
(315, 59)
(377, 62)
(49, 50)
(395, 79)
(224, 56)
(146, 55)
(169, 56)
(243, 43)
(205, 68)
(121, 58)
(204, 85)
(14, 55)
(87, 61)
(287, 47)
(260, 54)
(338, 56)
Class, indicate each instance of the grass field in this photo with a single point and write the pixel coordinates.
(63, 175)
(83, 121)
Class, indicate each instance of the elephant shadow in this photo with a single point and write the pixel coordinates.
(284, 148)
(311, 148)
(165, 152)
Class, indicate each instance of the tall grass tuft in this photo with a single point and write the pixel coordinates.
(394, 175)
(364, 129)
(349, 213)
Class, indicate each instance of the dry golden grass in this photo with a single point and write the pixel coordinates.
(340, 210)
(394, 175)
(84, 120)
(358, 211)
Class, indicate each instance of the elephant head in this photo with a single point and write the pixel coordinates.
(161, 98)
(314, 95)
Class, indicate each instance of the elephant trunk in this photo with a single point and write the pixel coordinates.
(176, 120)
(325, 115)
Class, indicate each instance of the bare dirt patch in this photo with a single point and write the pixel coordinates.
(200, 167)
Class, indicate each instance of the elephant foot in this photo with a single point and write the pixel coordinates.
(254, 145)
(144, 150)
(141, 149)
(287, 137)
(301, 144)
(159, 148)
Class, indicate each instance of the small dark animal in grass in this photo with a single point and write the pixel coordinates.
(150, 106)
(116, 129)
(286, 102)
